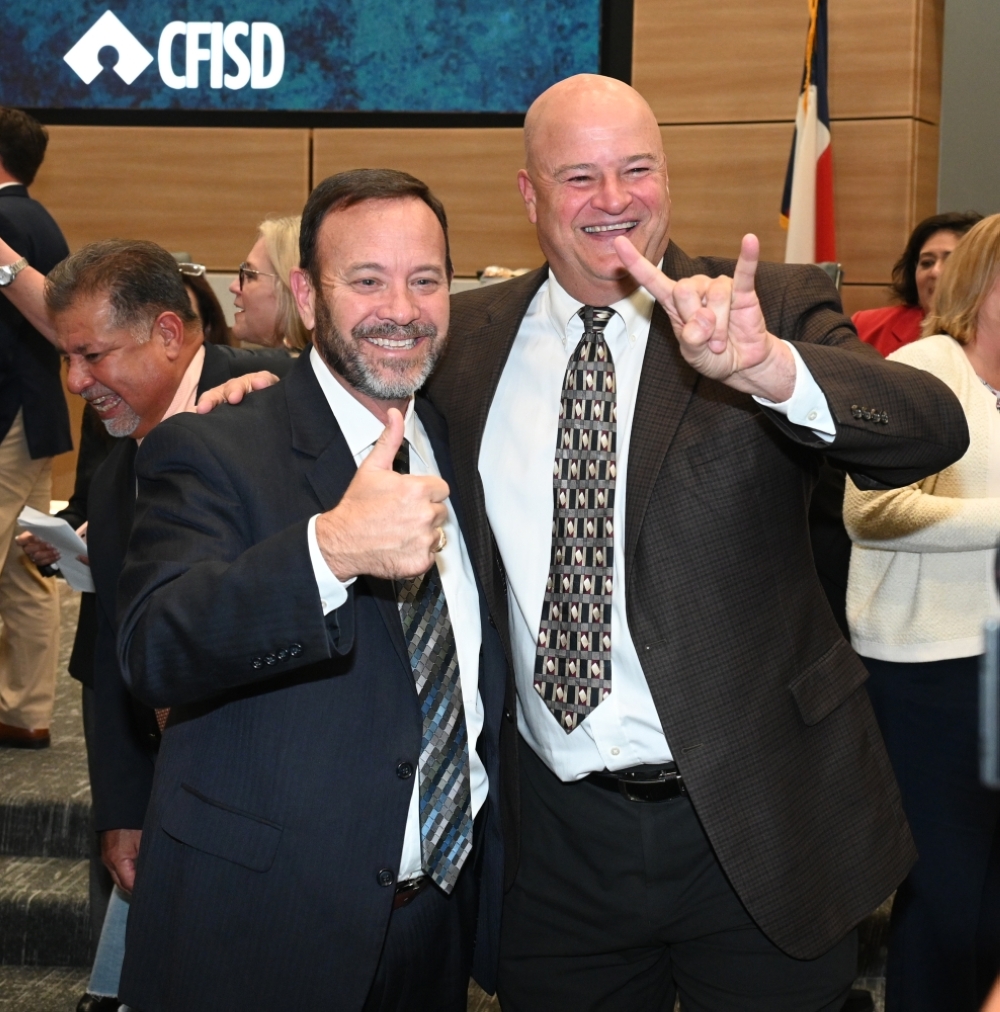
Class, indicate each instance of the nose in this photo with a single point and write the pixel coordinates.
(235, 286)
(400, 306)
(612, 197)
(78, 376)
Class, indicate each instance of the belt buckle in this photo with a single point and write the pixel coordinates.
(670, 785)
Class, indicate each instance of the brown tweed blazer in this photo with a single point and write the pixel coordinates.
(760, 697)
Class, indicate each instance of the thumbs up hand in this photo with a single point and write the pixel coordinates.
(387, 524)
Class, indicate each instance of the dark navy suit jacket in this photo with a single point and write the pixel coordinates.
(123, 746)
(277, 804)
(29, 364)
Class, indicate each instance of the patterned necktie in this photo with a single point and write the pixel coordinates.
(445, 803)
(573, 658)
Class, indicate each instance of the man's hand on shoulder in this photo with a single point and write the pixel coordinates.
(233, 390)
(719, 323)
(387, 524)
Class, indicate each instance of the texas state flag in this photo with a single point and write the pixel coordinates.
(807, 204)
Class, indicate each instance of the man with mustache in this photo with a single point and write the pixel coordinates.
(119, 313)
(324, 827)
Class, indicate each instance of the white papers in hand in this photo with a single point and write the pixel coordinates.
(65, 540)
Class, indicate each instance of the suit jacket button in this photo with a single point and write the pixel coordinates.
(508, 716)
(257, 662)
(270, 659)
(282, 655)
(885, 418)
(386, 877)
(295, 649)
(493, 622)
(856, 411)
(404, 771)
(866, 414)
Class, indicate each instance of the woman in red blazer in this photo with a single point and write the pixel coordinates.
(913, 280)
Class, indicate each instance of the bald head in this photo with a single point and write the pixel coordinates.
(595, 170)
(583, 103)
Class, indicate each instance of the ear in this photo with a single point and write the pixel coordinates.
(170, 330)
(527, 188)
(305, 296)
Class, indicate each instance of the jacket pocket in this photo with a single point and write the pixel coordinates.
(217, 829)
(827, 682)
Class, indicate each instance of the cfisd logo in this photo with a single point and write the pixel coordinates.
(134, 58)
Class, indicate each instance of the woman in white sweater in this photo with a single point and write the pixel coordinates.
(920, 586)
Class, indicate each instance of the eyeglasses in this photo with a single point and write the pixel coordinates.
(192, 270)
(246, 271)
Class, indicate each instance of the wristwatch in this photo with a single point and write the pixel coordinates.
(11, 271)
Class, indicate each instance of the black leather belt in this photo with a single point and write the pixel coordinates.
(642, 783)
(407, 891)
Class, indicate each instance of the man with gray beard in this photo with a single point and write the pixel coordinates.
(325, 818)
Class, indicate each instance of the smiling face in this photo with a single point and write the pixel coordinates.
(257, 309)
(595, 171)
(933, 254)
(129, 384)
(381, 314)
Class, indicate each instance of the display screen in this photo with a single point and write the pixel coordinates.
(419, 56)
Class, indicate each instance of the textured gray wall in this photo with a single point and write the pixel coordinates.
(969, 177)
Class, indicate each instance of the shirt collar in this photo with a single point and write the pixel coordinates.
(14, 183)
(360, 427)
(635, 310)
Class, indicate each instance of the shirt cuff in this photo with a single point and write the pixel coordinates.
(332, 593)
(807, 406)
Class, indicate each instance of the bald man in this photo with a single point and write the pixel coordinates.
(697, 800)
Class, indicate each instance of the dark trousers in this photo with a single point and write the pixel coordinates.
(427, 955)
(619, 906)
(944, 935)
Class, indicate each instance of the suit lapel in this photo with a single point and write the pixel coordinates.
(316, 434)
(665, 388)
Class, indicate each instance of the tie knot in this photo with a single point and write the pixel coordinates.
(595, 318)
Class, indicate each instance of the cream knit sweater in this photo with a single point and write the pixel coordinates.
(921, 578)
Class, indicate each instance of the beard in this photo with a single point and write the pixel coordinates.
(124, 423)
(384, 380)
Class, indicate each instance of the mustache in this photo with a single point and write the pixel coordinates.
(402, 332)
(95, 391)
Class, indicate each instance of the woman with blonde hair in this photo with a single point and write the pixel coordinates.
(265, 307)
(921, 584)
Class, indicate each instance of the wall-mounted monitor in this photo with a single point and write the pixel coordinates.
(209, 61)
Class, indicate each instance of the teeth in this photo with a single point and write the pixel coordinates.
(621, 225)
(385, 342)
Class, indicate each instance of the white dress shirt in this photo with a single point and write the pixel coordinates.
(515, 463)
(361, 429)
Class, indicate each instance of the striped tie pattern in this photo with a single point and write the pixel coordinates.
(573, 653)
(445, 799)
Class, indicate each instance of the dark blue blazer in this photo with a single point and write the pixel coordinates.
(276, 803)
(29, 364)
(123, 745)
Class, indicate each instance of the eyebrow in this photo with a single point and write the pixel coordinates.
(372, 266)
(647, 156)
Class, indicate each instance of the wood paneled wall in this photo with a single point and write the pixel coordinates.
(722, 78)
(727, 121)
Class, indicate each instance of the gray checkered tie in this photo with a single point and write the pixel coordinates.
(573, 656)
(443, 768)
